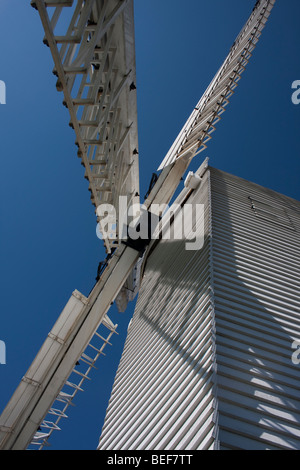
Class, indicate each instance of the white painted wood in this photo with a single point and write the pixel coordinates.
(207, 363)
(167, 368)
(200, 124)
(56, 360)
(103, 107)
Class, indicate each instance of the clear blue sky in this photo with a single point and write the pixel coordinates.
(48, 239)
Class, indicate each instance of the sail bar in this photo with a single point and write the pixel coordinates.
(72, 339)
(93, 48)
(73, 385)
(197, 131)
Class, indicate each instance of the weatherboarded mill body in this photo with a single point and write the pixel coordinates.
(208, 361)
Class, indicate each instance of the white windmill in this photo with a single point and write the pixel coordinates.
(94, 60)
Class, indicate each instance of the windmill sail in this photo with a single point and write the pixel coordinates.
(197, 131)
(92, 45)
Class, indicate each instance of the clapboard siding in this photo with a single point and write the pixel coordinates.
(257, 311)
(207, 361)
(164, 392)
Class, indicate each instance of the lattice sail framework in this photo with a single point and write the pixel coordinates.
(202, 122)
(92, 45)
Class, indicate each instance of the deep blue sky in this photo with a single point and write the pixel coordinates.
(48, 240)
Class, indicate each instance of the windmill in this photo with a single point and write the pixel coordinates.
(98, 82)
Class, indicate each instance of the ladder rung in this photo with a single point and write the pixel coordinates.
(58, 3)
(40, 435)
(90, 364)
(79, 101)
(41, 442)
(109, 324)
(103, 339)
(104, 190)
(75, 69)
(102, 176)
(88, 123)
(97, 162)
(93, 141)
(67, 39)
(56, 412)
(70, 384)
(96, 349)
(81, 374)
(49, 425)
(65, 398)
(88, 360)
